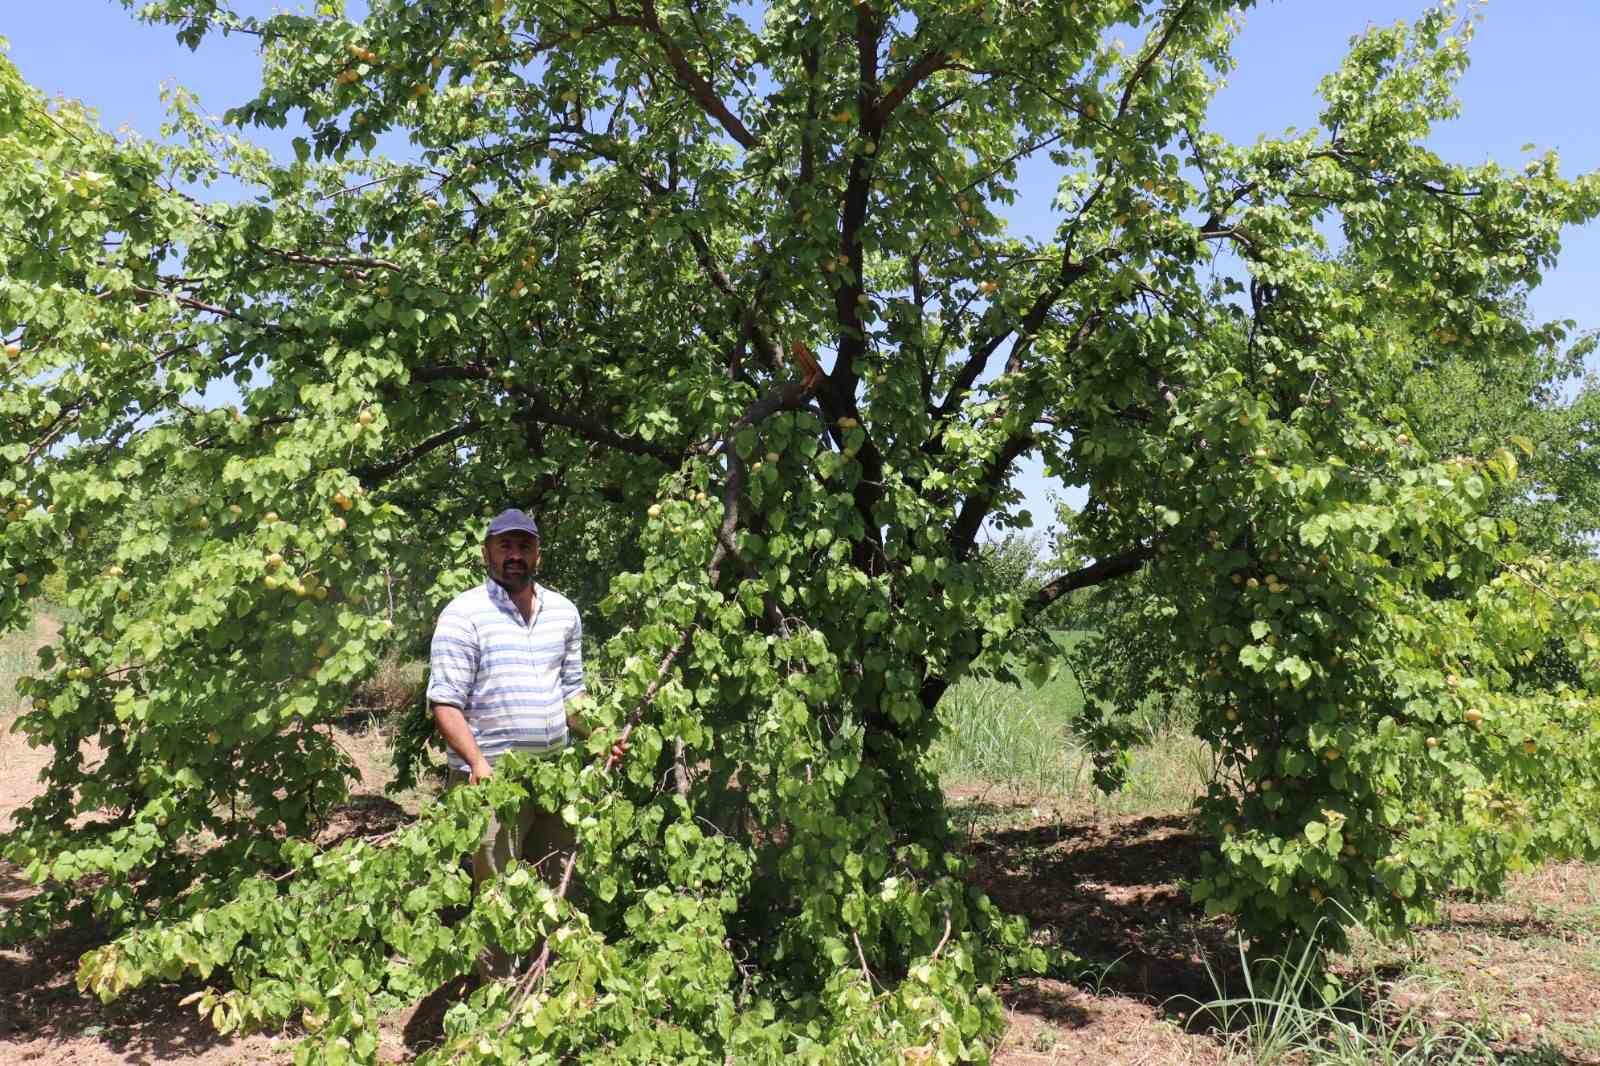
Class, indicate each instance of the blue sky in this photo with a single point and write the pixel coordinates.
(1534, 79)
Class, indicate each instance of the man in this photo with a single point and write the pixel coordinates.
(506, 674)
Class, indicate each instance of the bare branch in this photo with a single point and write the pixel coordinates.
(866, 973)
(943, 940)
(195, 304)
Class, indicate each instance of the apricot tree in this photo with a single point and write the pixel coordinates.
(589, 290)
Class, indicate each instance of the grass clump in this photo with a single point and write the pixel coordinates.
(1284, 1017)
(14, 659)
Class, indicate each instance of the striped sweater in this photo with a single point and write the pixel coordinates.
(510, 678)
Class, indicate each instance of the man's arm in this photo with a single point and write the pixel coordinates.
(573, 697)
(452, 674)
(456, 733)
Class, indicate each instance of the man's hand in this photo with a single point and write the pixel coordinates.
(453, 728)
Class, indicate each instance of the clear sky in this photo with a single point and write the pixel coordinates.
(1534, 79)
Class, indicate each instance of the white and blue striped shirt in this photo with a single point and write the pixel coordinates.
(510, 678)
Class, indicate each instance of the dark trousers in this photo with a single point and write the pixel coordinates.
(532, 835)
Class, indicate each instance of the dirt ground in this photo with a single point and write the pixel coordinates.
(1520, 973)
(46, 1021)
(1523, 971)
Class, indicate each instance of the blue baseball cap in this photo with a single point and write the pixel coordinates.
(512, 520)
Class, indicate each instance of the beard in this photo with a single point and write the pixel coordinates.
(512, 578)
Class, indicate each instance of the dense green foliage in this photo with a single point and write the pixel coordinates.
(583, 296)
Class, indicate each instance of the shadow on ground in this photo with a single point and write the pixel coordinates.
(42, 1011)
(424, 1029)
(40, 1002)
(1112, 892)
(363, 815)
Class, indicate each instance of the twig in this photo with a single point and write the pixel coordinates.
(862, 955)
(942, 940)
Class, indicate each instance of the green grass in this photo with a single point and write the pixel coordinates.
(1002, 735)
(13, 664)
(17, 658)
(1020, 739)
(1519, 969)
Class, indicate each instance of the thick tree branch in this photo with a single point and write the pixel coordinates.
(925, 66)
(564, 38)
(1110, 568)
(592, 430)
(812, 59)
(964, 532)
(788, 396)
(372, 476)
(597, 432)
(699, 88)
(333, 261)
(850, 295)
(1097, 573)
(1032, 321)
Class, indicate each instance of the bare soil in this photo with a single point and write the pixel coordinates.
(1109, 889)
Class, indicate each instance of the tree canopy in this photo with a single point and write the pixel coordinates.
(597, 288)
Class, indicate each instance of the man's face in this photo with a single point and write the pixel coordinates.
(512, 559)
